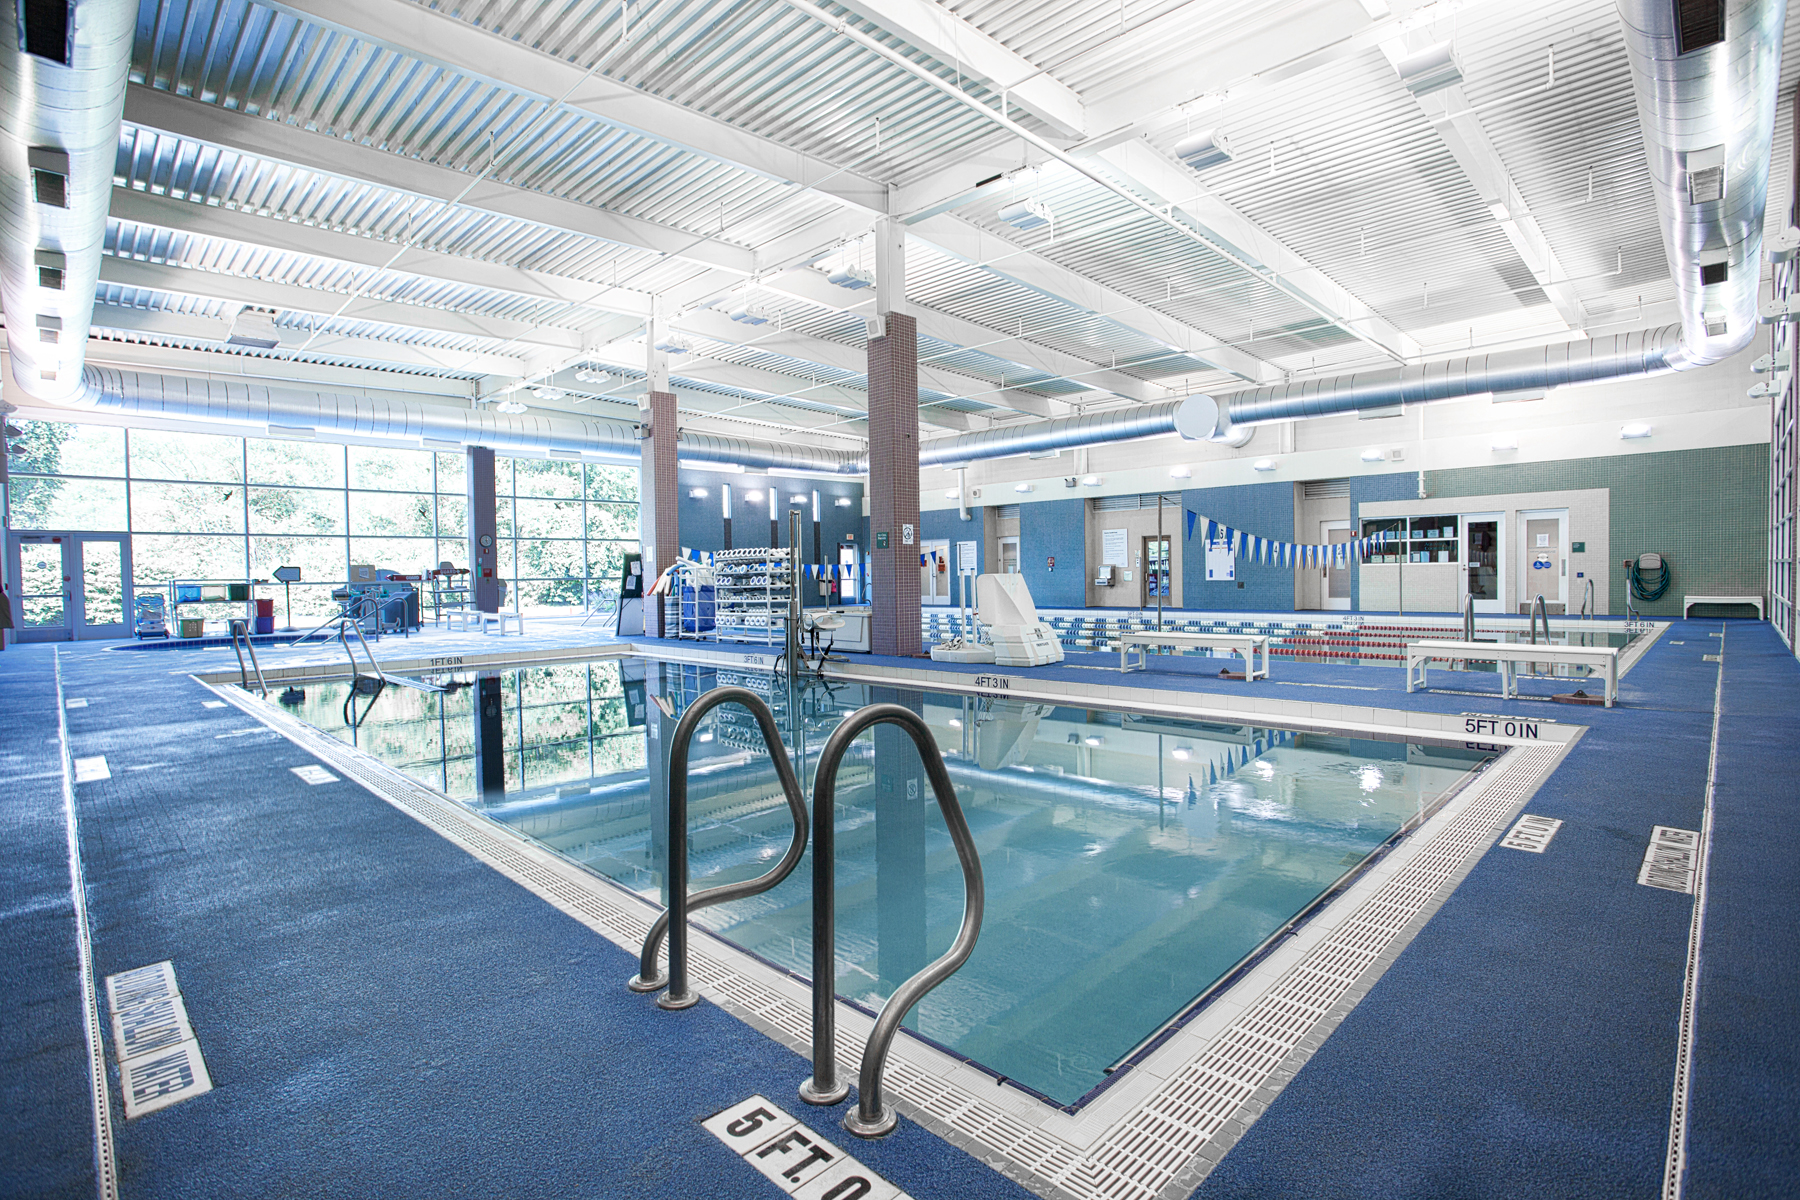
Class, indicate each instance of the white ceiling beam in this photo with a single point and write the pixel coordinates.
(190, 328)
(229, 364)
(428, 35)
(277, 141)
(292, 237)
(1463, 134)
(943, 35)
(963, 241)
(812, 287)
(1139, 165)
(209, 285)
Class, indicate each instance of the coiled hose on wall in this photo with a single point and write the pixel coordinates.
(1649, 577)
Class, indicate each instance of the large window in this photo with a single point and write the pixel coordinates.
(222, 509)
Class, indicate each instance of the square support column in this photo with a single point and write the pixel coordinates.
(484, 529)
(659, 520)
(894, 487)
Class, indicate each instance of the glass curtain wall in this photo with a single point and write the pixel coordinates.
(208, 507)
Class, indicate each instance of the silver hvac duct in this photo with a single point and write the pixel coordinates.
(62, 90)
(1116, 425)
(277, 408)
(1708, 117)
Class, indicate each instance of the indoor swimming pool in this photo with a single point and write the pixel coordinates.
(1132, 863)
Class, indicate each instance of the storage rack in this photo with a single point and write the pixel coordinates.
(1418, 540)
(449, 590)
(686, 610)
(753, 591)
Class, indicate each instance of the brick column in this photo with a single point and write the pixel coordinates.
(659, 521)
(484, 576)
(894, 487)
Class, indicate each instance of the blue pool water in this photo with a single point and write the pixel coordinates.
(1131, 862)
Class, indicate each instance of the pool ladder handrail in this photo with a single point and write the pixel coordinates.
(674, 919)
(1588, 604)
(241, 628)
(1468, 618)
(872, 1118)
(1539, 609)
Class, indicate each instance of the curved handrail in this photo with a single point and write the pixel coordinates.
(240, 627)
(674, 919)
(1468, 618)
(872, 1118)
(1587, 602)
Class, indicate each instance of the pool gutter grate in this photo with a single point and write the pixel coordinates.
(1154, 1142)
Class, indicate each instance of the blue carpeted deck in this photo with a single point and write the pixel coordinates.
(382, 1015)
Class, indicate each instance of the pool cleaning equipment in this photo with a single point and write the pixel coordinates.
(1020, 637)
(149, 615)
(1650, 576)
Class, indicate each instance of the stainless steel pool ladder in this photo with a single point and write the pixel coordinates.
(674, 920)
(1468, 618)
(1539, 609)
(1587, 602)
(241, 628)
(873, 1118)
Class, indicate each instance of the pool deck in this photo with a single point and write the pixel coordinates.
(382, 1014)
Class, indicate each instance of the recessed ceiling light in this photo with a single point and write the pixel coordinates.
(1263, 464)
(1635, 430)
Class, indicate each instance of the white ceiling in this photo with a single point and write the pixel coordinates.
(461, 198)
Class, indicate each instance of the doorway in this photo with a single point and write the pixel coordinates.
(1156, 571)
(70, 585)
(934, 571)
(1544, 566)
(1484, 566)
(1335, 577)
(846, 580)
(1009, 556)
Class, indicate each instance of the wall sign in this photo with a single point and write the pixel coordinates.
(1577, 547)
(881, 539)
(1221, 563)
(906, 535)
(1113, 548)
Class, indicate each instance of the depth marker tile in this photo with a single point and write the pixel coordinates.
(92, 770)
(1531, 833)
(314, 773)
(1670, 859)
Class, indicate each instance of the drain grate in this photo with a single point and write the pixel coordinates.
(1670, 859)
(1531, 834)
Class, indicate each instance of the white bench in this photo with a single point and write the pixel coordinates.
(1509, 655)
(1688, 602)
(459, 620)
(1244, 645)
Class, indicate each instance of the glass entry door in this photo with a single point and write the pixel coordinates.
(1481, 556)
(1335, 575)
(1156, 561)
(70, 585)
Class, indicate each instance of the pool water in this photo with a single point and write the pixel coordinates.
(1131, 862)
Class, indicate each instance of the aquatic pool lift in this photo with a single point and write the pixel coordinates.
(872, 1117)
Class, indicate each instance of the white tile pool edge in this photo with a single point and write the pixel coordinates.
(1156, 1133)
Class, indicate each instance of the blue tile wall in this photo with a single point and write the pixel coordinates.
(1055, 529)
(703, 521)
(1263, 509)
(945, 523)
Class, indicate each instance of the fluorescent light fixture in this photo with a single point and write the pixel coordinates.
(1374, 454)
(750, 316)
(1263, 464)
(1208, 148)
(696, 493)
(1022, 487)
(1090, 481)
(548, 393)
(842, 502)
(672, 345)
(851, 278)
(1429, 70)
(1027, 214)
(1635, 430)
(254, 327)
(1504, 442)
(1181, 472)
(590, 375)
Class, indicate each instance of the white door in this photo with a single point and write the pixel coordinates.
(1009, 556)
(70, 585)
(1484, 561)
(1334, 581)
(1544, 558)
(934, 571)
